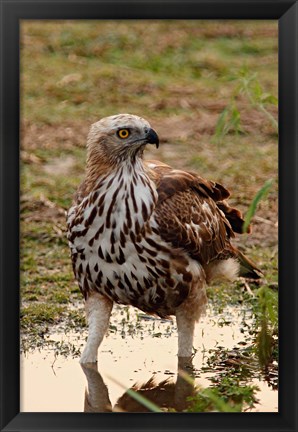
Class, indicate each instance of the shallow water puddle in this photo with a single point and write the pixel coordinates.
(52, 383)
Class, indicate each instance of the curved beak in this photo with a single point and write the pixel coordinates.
(152, 137)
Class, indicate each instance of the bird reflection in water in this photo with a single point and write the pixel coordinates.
(167, 395)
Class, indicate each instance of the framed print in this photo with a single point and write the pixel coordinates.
(148, 215)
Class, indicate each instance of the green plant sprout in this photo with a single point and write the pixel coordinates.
(229, 120)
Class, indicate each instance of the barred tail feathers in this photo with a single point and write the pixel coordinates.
(247, 267)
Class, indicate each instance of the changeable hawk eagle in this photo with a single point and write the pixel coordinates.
(144, 234)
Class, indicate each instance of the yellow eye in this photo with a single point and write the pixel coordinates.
(123, 133)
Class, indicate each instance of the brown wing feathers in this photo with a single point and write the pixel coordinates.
(234, 216)
(192, 212)
(186, 223)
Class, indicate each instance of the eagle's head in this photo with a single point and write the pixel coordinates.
(120, 137)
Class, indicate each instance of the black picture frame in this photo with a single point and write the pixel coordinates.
(286, 12)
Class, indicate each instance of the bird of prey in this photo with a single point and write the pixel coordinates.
(144, 234)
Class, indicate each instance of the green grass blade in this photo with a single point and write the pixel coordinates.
(253, 206)
(143, 401)
(139, 398)
(221, 125)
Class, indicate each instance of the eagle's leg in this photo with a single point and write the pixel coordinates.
(98, 311)
(186, 327)
(187, 314)
(97, 396)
